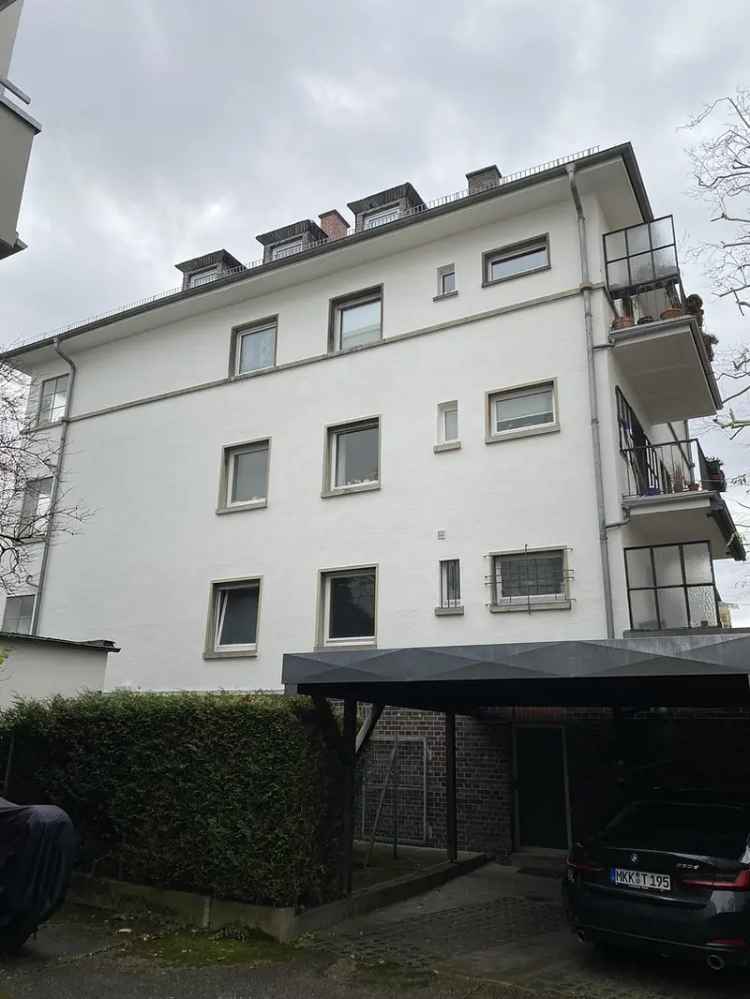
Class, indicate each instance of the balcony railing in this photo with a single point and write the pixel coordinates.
(668, 469)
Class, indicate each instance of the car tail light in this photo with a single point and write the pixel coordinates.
(585, 865)
(737, 942)
(740, 883)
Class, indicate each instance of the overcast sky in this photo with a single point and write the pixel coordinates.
(173, 127)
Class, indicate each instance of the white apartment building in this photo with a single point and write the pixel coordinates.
(17, 131)
(461, 422)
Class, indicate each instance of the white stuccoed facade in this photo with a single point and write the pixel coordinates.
(147, 466)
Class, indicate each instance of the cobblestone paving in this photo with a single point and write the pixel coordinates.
(421, 941)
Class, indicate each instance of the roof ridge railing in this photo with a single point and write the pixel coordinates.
(228, 271)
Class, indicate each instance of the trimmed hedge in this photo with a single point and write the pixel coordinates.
(230, 795)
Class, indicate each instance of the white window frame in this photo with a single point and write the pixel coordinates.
(340, 305)
(325, 624)
(206, 275)
(228, 471)
(19, 596)
(54, 420)
(29, 518)
(381, 216)
(536, 601)
(442, 273)
(498, 395)
(217, 610)
(332, 446)
(288, 248)
(241, 332)
(451, 603)
(515, 250)
(444, 409)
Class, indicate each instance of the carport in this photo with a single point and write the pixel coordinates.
(681, 670)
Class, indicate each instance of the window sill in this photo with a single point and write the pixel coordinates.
(446, 446)
(245, 654)
(514, 277)
(449, 611)
(512, 435)
(447, 294)
(239, 375)
(347, 648)
(365, 487)
(242, 507)
(526, 608)
(359, 346)
(46, 424)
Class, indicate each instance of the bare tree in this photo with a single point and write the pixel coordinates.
(31, 508)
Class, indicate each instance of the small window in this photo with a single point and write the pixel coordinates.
(35, 507)
(356, 320)
(287, 249)
(18, 615)
(528, 578)
(527, 408)
(446, 280)
(381, 216)
(52, 399)
(349, 607)
(234, 617)
(246, 475)
(450, 584)
(448, 422)
(354, 455)
(255, 348)
(511, 261)
(203, 277)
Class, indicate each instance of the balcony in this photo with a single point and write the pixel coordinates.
(657, 332)
(673, 491)
(17, 131)
(672, 588)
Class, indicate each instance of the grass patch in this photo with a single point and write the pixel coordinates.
(193, 948)
(393, 977)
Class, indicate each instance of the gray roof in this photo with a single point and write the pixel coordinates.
(98, 644)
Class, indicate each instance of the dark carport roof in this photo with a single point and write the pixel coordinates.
(690, 670)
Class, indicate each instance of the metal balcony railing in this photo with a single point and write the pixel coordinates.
(667, 469)
(641, 257)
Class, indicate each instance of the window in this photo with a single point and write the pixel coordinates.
(19, 612)
(356, 320)
(446, 280)
(671, 586)
(447, 427)
(349, 607)
(529, 579)
(255, 347)
(233, 618)
(381, 216)
(354, 456)
(450, 584)
(205, 276)
(35, 507)
(286, 249)
(245, 480)
(52, 399)
(512, 261)
(529, 409)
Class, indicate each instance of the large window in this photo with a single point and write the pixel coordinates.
(52, 399)
(349, 607)
(356, 320)
(35, 507)
(529, 579)
(245, 476)
(255, 347)
(671, 586)
(18, 615)
(530, 408)
(512, 261)
(233, 618)
(353, 456)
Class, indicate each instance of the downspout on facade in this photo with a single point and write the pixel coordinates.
(586, 289)
(55, 488)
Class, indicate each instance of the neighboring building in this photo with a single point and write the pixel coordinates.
(17, 131)
(43, 667)
(437, 429)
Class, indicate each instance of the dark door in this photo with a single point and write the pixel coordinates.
(541, 798)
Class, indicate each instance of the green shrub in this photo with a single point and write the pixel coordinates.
(231, 795)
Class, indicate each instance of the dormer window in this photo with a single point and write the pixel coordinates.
(381, 217)
(286, 249)
(206, 269)
(202, 277)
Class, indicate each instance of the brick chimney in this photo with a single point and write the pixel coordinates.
(481, 180)
(333, 224)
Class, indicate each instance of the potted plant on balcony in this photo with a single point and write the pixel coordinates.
(716, 478)
(672, 312)
(694, 304)
(709, 342)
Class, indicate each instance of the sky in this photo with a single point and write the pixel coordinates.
(172, 128)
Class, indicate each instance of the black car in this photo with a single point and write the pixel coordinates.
(670, 874)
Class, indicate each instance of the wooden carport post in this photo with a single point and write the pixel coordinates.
(450, 785)
(350, 743)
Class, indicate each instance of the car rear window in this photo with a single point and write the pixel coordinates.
(708, 830)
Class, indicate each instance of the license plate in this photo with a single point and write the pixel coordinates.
(640, 879)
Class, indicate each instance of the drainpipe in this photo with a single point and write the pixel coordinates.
(55, 488)
(586, 289)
